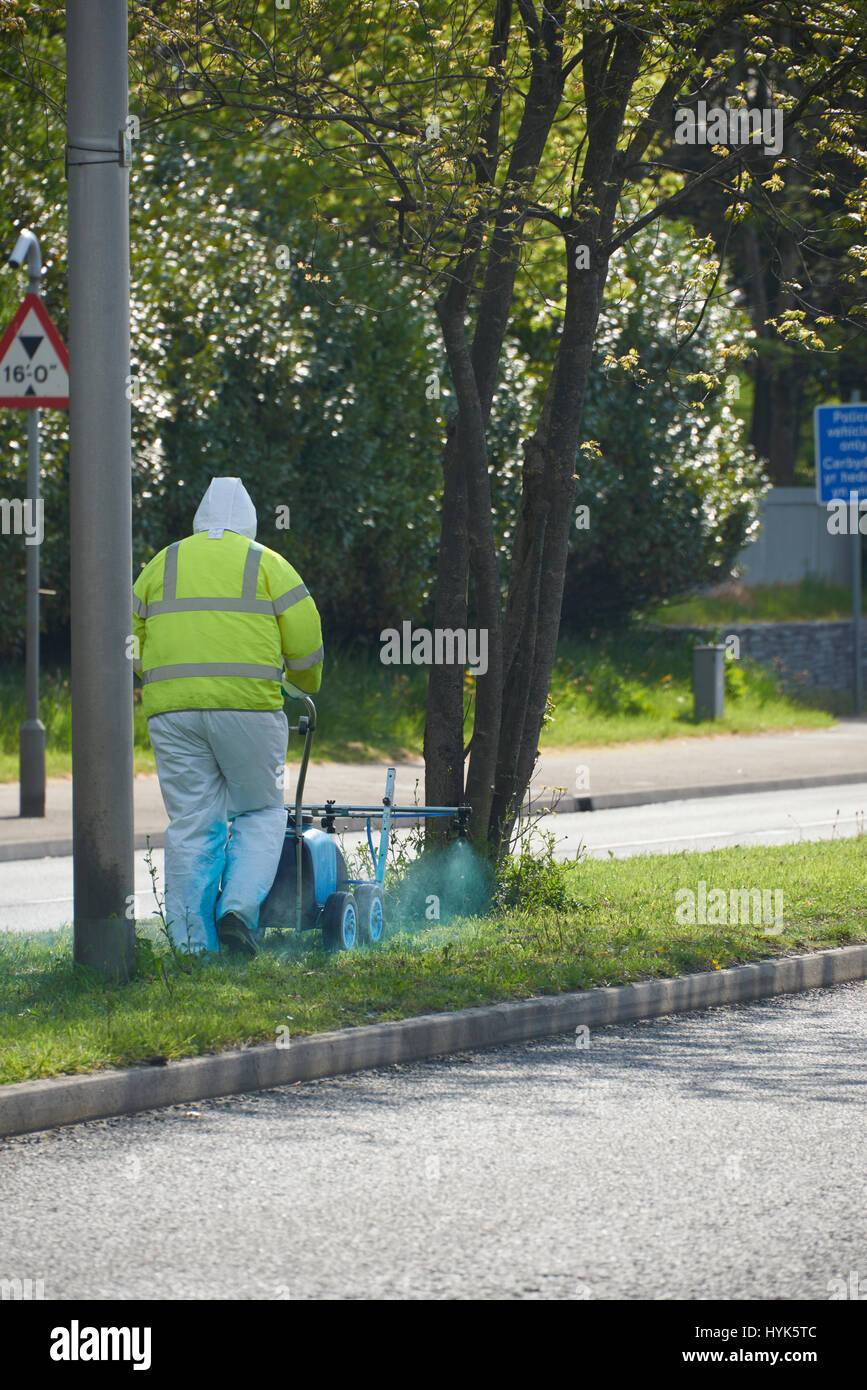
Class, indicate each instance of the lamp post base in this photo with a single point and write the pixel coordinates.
(31, 753)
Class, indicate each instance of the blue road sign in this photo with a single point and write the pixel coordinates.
(841, 451)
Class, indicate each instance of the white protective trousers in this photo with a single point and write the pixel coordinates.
(216, 766)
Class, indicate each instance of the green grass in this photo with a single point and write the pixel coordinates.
(811, 600)
(366, 711)
(622, 686)
(637, 684)
(57, 1018)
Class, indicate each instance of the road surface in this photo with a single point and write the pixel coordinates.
(701, 1156)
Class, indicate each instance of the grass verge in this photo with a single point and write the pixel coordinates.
(58, 1018)
(637, 684)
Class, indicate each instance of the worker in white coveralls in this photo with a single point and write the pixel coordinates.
(214, 616)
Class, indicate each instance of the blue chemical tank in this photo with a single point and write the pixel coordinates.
(323, 871)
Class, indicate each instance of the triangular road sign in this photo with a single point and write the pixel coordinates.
(34, 365)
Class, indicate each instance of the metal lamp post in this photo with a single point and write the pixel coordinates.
(100, 485)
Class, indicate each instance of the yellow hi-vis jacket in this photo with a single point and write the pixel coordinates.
(212, 618)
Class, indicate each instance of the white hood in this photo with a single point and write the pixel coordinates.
(226, 506)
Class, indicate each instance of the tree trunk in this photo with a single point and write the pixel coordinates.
(540, 553)
(468, 507)
(444, 722)
(548, 479)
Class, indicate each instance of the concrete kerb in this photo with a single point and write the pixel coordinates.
(608, 801)
(36, 1105)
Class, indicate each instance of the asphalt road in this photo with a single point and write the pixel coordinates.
(699, 1156)
(36, 894)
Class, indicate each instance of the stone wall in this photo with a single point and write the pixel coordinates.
(805, 655)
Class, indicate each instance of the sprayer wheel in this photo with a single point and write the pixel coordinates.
(371, 912)
(340, 922)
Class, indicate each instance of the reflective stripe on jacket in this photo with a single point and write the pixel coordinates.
(214, 617)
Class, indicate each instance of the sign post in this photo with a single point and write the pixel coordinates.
(34, 375)
(841, 476)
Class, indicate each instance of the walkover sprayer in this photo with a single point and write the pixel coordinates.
(312, 888)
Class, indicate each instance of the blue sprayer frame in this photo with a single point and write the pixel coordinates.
(387, 812)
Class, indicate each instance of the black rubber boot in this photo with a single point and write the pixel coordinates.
(235, 936)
